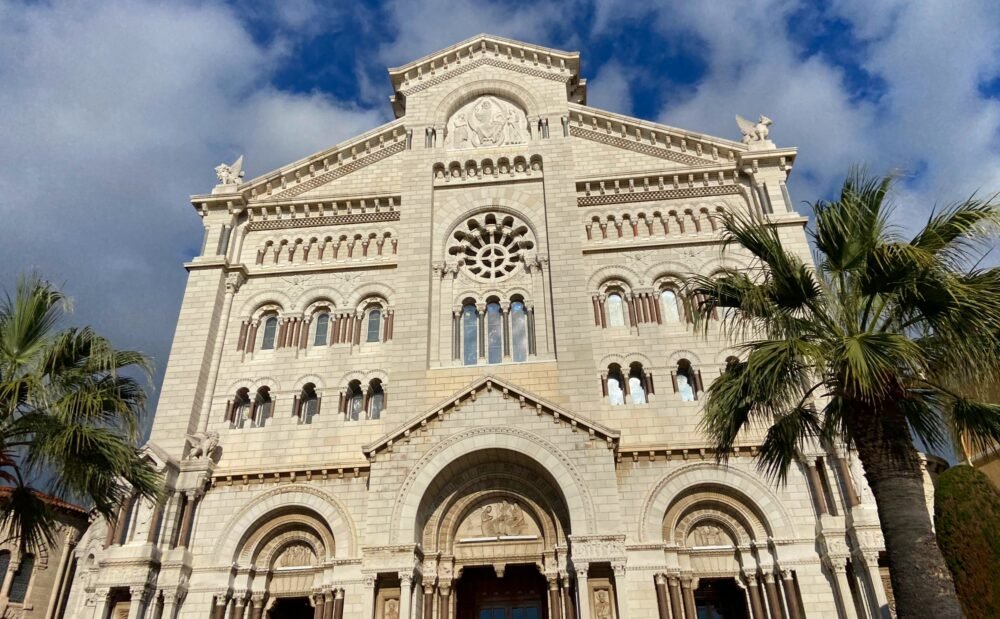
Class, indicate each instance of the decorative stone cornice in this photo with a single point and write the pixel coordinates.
(487, 384)
(246, 478)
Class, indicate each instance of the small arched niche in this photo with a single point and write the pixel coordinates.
(485, 122)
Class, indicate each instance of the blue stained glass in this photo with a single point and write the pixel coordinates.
(494, 333)
(470, 334)
(519, 331)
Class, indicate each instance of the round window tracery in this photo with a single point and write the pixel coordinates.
(491, 248)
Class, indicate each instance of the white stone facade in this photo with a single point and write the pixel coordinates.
(499, 378)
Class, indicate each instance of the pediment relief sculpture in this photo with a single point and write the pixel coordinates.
(486, 122)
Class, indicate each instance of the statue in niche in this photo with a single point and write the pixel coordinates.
(487, 121)
(602, 606)
(391, 609)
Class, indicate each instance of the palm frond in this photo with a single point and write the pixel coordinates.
(785, 438)
(27, 518)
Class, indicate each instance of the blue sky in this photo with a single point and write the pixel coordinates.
(112, 113)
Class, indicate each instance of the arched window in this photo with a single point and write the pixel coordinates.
(470, 334)
(494, 333)
(270, 330)
(240, 411)
(686, 381)
(519, 331)
(308, 403)
(22, 578)
(616, 310)
(637, 383)
(670, 307)
(322, 329)
(262, 405)
(374, 324)
(376, 399)
(355, 401)
(615, 385)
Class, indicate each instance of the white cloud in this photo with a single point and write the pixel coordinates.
(609, 88)
(114, 113)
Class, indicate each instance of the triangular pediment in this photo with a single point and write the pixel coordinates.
(487, 50)
(488, 385)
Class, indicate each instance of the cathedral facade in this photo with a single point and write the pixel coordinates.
(443, 370)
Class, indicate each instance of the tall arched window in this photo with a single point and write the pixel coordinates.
(374, 325)
(519, 331)
(494, 333)
(615, 385)
(355, 401)
(616, 310)
(637, 383)
(470, 334)
(669, 306)
(322, 329)
(686, 381)
(22, 578)
(270, 330)
(240, 411)
(308, 403)
(376, 399)
(262, 407)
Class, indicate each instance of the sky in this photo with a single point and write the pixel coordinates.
(113, 113)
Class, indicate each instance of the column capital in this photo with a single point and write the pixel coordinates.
(660, 579)
(338, 593)
(618, 568)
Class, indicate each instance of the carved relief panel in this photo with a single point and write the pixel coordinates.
(485, 122)
(498, 519)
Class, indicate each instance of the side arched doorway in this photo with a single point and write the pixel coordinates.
(497, 524)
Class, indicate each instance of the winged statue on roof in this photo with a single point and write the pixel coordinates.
(753, 131)
(230, 174)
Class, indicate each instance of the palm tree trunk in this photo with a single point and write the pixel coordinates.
(921, 582)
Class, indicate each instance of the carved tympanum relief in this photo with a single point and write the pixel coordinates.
(487, 121)
(708, 535)
(296, 555)
(498, 519)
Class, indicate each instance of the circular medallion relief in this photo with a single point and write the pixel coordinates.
(492, 247)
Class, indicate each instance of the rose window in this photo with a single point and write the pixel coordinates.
(491, 248)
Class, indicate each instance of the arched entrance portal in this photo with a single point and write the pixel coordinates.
(498, 524)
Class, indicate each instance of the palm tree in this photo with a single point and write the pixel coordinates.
(865, 349)
(69, 418)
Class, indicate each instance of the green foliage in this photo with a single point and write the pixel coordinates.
(68, 413)
(967, 521)
(883, 328)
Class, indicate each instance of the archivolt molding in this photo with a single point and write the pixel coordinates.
(317, 297)
(687, 477)
(307, 525)
(337, 518)
(612, 272)
(624, 360)
(364, 377)
(315, 379)
(572, 484)
(677, 355)
(258, 302)
(465, 93)
(359, 294)
(253, 384)
(708, 502)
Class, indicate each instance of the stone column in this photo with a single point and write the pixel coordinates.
(101, 608)
(847, 483)
(791, 595)
(258, 606)
(240, 606)
(554, 601)
(171, 600)
(662, 597)
(328, 605)
(756, 604)
(621, 588)
(187, 519)
(428, 602)
(157, 606)
(842, 587)
(137, 602)
(569, 608)
(583, 591)
(879, 601)
(773, 598)
(816, 486)
(444, 601)
(219, 606)
(319, 601)
(674, 590)
(368, 602)
(338, 604)
(687, 586)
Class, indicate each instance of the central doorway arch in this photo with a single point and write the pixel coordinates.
(498, 524)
